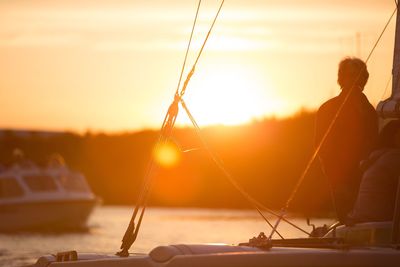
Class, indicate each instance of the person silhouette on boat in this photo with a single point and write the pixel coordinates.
(349, 125)
(377, 195)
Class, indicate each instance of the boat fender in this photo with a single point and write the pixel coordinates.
(164, 253)
(44, 261)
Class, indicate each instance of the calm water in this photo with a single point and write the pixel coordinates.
(161, 226)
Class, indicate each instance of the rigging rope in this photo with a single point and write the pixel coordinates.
(183, 91)
(188, 48)
(218, 162)
(165, 133)
(324, 137)
(256, 204)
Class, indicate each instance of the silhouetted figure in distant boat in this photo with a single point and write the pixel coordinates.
(352, 137)
(378, 188)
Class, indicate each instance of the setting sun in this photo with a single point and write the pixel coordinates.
(230, 95)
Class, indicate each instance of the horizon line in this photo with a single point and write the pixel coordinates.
(46, 131)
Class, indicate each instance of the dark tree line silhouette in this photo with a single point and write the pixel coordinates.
(266, 157)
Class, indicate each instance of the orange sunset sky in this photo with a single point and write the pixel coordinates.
(113, 65)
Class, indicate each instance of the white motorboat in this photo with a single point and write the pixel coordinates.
(52, 197)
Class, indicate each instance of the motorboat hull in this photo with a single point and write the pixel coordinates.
(48, 215)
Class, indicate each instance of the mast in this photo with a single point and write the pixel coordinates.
(390, 108)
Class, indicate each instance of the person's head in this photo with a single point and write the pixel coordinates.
(352, 74)
(389, 136)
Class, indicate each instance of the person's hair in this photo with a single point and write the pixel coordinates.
(352, 73)
(387, 136)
